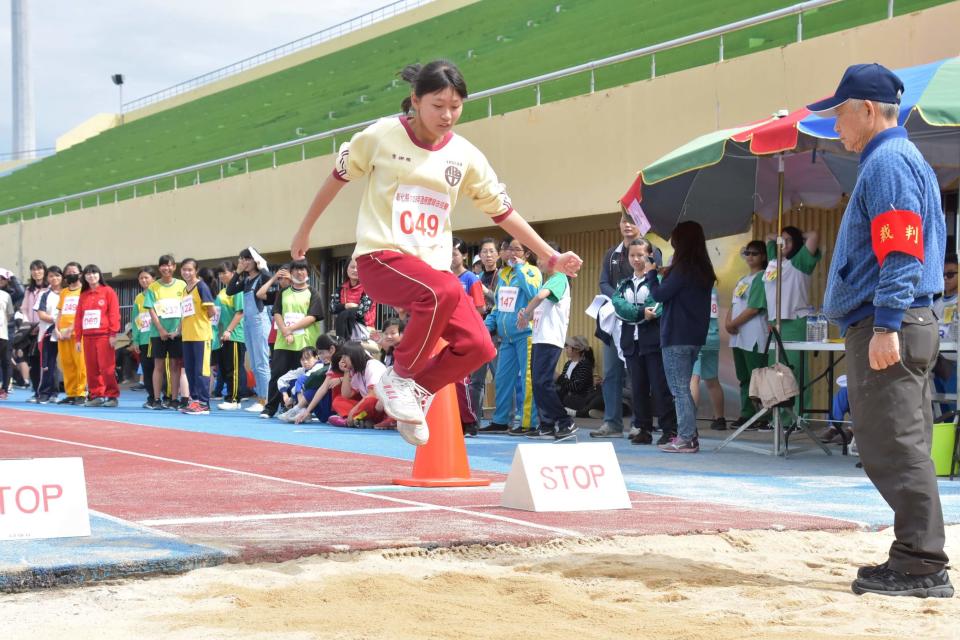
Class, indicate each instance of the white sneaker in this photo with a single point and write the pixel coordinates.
(228, 406)
(291, 415)
(402, 398)
(634, 431)
(256, 407)
(416, 433)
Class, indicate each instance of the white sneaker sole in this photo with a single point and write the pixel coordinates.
(416, 434)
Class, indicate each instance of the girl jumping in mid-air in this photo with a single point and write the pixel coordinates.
(417, 170)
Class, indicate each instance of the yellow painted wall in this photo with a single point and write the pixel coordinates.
(414, 16)
(87, 129)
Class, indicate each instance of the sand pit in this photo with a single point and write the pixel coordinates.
(736, 585)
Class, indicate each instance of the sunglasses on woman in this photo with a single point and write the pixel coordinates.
(749, 252)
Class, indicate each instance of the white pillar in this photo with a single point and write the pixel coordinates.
(24, 121)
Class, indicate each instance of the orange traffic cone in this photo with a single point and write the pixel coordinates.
(442, 462)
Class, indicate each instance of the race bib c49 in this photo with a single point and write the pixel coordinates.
(419, 216)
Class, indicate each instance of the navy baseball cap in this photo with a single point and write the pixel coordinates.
(863, 82)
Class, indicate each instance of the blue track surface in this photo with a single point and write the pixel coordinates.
(808, 482)
(114, 550)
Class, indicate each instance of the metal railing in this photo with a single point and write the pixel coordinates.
(337, 30)
(189, 175)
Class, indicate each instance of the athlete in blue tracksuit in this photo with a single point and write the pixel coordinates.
(516, 285)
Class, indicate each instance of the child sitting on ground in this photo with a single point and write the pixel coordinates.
(312, 387)
(289, 385)
(357, 403)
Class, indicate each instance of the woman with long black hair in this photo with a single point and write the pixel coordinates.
(685, 293)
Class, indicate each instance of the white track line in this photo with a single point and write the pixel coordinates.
(313, 485)
(280, 516)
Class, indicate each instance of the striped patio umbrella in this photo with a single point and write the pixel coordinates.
(723, 178)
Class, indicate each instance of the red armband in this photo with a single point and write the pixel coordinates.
(897, 230)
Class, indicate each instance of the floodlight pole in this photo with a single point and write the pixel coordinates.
(117, 79)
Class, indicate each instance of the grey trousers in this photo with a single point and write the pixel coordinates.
(893, 425)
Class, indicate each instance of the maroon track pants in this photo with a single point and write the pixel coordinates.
(438, 307)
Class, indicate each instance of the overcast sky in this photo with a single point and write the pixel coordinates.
(76, 45)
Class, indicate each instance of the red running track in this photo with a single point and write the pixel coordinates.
(270, 501)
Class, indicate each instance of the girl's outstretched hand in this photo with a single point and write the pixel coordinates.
(299, 245)
(569, 263)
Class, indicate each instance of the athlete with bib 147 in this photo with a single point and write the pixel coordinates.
(417, 169)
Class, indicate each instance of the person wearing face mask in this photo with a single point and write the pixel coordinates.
(96, 325)
(296, 312)
(518, 284)
(68, 348)
(46, 309)
(488, 281)
(352, 309)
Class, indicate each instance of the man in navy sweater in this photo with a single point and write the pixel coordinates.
(887, 265)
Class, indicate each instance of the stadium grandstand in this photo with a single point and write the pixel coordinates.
(494, 41)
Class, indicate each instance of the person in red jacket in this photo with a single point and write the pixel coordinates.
(95, 327)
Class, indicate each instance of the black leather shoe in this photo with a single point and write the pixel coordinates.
(644, 437)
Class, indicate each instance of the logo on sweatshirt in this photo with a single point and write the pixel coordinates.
(453, 175)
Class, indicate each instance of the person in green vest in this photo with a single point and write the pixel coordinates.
(296, 312)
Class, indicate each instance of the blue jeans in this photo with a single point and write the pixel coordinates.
(678, 366)
(256, 330)
(612, 387)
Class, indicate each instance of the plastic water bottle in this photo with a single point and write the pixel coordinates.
(813, 329)
(823, 325)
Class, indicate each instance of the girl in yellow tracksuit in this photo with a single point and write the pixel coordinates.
(71, 358)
